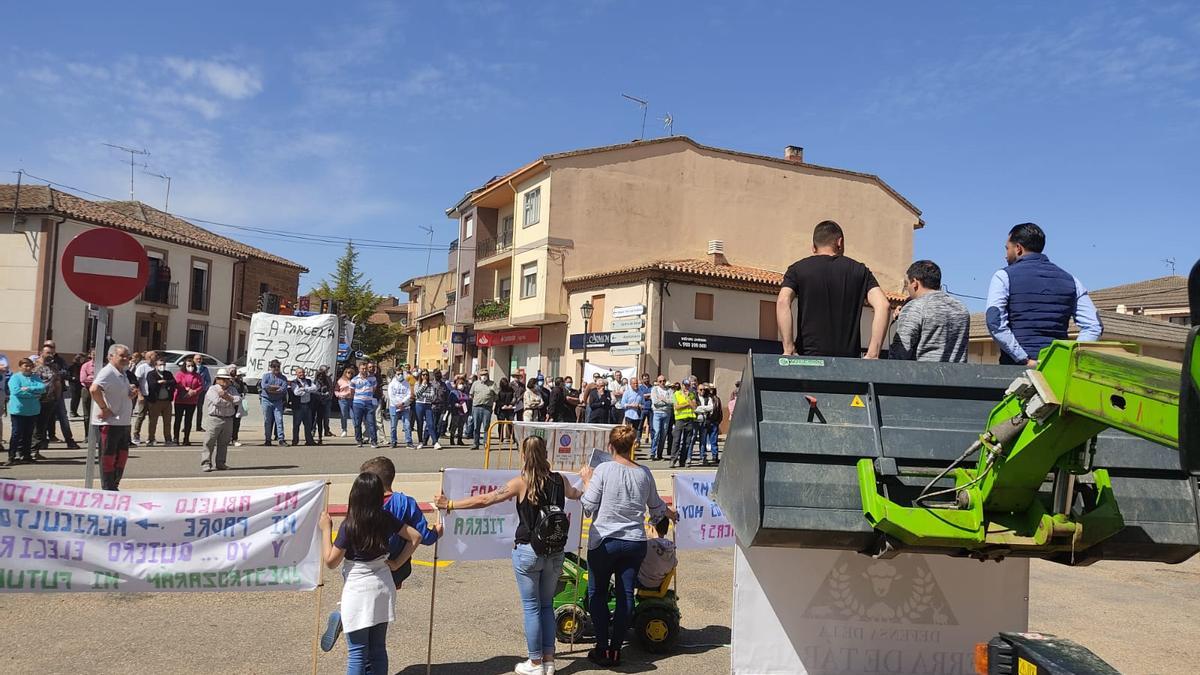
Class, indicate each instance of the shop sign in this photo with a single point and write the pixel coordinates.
(508, 338)
(720, 343)
(628, 310)
(594, 340)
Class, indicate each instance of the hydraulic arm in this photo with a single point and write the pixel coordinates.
(1045, 429)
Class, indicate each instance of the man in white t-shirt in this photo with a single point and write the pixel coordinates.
(141, 371)
(112, 412)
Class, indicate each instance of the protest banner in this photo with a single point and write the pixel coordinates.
(65, 539)
(701, 523)
(307, 342)
(487, 534)
(570, 445)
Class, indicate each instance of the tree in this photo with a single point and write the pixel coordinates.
(357, 302)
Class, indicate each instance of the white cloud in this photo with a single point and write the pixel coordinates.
(228, 80)
(42, 75)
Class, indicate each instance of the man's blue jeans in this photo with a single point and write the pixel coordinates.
(401, 415)
(619, 558)
(272, 419)
(368, 650)
(481, 417)
(364, 414)
(537, 578)
(658, 433)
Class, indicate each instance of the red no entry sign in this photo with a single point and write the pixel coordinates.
(105, 267)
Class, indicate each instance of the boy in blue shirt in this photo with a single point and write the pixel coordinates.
(405, 510)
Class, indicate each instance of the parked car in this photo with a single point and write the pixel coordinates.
(175, 359)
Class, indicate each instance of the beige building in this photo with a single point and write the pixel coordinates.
(429, 337)
(196, 298)
(570, 216)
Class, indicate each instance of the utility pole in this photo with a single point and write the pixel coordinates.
(132, 152)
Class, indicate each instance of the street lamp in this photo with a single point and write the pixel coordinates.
(585, 311)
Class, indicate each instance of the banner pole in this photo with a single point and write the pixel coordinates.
(433, 585)
(320, 586)
(578, 577)
(675, 537)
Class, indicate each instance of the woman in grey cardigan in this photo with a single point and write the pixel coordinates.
(616, 496)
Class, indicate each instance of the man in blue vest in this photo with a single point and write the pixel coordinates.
(1031, 302)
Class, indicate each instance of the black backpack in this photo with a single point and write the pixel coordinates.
(549, 533)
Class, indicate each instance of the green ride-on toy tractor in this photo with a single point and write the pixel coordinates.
(655, 611)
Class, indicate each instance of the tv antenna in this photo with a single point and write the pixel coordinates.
(429, 254)
(132, 152)
(643, 104)
(1171, 264)
(669, 123)
(167, 201)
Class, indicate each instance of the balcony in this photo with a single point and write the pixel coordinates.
(491, 250)
(162, 295)
(491, 314)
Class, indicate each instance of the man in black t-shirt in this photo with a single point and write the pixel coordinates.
(829, 289)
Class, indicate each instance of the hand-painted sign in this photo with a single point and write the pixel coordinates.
(295, 341)
(65, 539)
(487, 534)
(701, 523)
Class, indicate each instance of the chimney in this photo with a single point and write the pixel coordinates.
(716, 252)
(794, 153)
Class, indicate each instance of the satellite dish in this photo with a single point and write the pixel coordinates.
(669, 123)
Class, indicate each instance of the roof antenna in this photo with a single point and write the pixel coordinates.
(167, 201)
(132, 152)
(669, 123)
(641, 104)
(429, 254)
(1170, 263)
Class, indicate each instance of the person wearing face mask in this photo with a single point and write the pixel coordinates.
(459, 400)
(24, 405)
(188, 388)
(321, 404)
(303, 391)
(235, 380)
(160, 386)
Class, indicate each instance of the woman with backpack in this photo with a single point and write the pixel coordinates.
(616, 495)
(368, 594)
(537, 555)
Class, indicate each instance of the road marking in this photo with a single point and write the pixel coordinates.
(106, 267)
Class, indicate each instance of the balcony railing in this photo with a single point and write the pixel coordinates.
(450, 297)
(161, 294)
(490, 247)
(491, 310)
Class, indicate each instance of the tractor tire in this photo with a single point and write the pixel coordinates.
(657, 629)
(569, 623)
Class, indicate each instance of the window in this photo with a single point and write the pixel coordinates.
(553, 360)
(241, 348)
(704, 306)
(468, 227)
(533, 206)
(149, 332)
(505, 293)
(466, 284)
(529, 280)
(198, 299)
(197, 337)
(597, 322)
(767, 328)
(158, 282)
(1179, 320)
(264, 288)
(702, 369)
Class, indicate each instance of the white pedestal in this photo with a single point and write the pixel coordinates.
(832, 612)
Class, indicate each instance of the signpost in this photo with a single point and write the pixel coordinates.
(104, 267)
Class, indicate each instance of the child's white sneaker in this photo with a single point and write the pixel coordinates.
(528, 667)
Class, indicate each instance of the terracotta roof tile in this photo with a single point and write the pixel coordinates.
(1169, 291)
(739, 277)
(1116, 327)
(133, 217)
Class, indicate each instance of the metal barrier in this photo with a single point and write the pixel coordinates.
(510, 444)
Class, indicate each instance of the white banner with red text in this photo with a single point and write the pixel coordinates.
(65, 539)
(488, 533)
(701, 523)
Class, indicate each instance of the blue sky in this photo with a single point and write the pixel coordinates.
(369, 119)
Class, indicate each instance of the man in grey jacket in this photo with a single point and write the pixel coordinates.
(933, 326)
